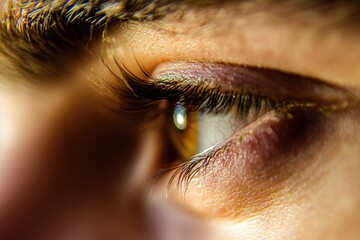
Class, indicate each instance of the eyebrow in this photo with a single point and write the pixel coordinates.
(37, 38)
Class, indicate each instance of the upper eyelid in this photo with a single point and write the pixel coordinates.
(240, 76)
(291, 86)
(300, 46)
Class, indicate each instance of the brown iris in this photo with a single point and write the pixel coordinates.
(184, 138)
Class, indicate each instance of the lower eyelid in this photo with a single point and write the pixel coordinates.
(255, 144)
(251, 162)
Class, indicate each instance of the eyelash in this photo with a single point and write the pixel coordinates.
(202, 99)
(214, 101)
(218, 101)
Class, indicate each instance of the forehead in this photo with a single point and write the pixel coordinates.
(37, 37)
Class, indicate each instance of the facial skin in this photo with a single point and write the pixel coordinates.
(77, 148)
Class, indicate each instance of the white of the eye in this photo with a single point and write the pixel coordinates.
(214, 128)
(180, 117)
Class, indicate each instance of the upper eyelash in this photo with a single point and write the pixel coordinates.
(200, 97)
(217, 100)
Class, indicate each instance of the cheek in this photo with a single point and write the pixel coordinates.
(336, 196)
(314, 196)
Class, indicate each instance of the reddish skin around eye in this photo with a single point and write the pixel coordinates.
(253, 164)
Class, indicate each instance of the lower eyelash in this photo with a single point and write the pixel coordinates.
(255, 147)
(187, 170)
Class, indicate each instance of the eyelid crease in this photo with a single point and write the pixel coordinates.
(264, 80)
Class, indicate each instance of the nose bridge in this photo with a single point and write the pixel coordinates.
(21, 167)
(60, 156)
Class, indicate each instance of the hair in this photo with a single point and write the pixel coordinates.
(37, 32)
(53, 31)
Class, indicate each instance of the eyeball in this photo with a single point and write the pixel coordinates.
(193, 132)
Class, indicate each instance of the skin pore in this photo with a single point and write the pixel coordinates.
(77, 152)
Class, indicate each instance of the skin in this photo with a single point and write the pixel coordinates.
(70, 166)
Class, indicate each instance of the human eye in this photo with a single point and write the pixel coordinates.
(238, 135)
(257, 116)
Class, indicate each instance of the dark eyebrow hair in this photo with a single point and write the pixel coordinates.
(39, 38)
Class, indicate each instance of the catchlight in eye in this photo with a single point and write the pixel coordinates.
(180, 117)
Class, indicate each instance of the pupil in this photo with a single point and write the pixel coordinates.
(180, 117)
